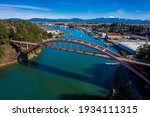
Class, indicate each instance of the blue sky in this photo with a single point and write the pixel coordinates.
(133, 9)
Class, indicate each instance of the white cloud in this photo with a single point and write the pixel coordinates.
(22, 11)
(12, 6)
(14, 13)
(27, 12)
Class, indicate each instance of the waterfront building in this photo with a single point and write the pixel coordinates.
(102, 35)
(56, 32)
(114, 36)
(131, 47)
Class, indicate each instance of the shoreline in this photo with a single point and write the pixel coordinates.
(9, 57)
(31, 56)
(7, 64)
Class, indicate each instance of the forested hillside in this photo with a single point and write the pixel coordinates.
(19, 30)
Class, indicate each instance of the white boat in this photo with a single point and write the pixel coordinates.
(112, 63)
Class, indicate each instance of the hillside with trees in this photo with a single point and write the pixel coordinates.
(19, 30)
(144, 52)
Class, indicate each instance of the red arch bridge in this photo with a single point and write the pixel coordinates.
(88, 48)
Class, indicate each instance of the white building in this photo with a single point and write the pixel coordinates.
(55, 32)
(102, 34)
(131, 47)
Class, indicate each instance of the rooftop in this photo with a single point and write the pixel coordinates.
(133, 45)
(113, 34)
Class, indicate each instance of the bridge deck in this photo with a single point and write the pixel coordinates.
(106, 53)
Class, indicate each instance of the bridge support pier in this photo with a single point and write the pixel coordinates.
(22, 58)
(27, 46)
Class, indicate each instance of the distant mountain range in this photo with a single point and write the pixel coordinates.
(102, 20)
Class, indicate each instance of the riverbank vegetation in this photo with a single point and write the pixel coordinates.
(128, 86)
(17, 30)
(144, 52)
(20, 30)
(122, 85)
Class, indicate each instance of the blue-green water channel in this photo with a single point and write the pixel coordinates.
(58, 74)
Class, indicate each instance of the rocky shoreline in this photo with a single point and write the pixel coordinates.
(11, 56)
(6, 64)
(9, 63)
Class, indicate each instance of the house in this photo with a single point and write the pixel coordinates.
(55, 32)
(102, 35)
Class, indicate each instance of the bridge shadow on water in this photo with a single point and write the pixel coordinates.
(96, 76)
(102, 74)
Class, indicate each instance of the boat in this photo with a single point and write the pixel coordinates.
(112, 63)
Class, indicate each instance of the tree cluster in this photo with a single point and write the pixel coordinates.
(123, 29)
(20, 30)
(144, 52)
